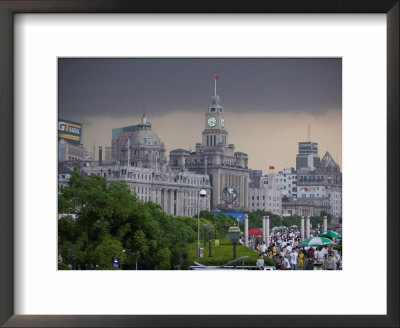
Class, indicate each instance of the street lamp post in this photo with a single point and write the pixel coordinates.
(137, 255)
(202, 194)
(204, 234)
(234, 233)
(198, 228)
(208, 229)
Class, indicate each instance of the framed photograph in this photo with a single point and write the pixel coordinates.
(194, 116)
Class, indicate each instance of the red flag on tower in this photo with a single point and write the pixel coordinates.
(216, 77)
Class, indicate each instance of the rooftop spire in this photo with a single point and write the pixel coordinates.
(144, 120)
(216, 77)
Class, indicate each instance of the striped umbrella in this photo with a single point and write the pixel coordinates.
(330, 234)
(316, 241)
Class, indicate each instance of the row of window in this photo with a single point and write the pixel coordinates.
(311, 189)
(274, 198)
(316, 178)
(289, 178)
(271, 205)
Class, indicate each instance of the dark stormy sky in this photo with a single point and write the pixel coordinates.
(268, 102)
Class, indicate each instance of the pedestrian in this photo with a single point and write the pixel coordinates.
(319, 256)
(340, 261)
(283, 252)
(337, 255)
(274, 249)
(277, 261)
(260, 262)
(285, 263)
(293, 259)
(289, 248)
(300, 259)
(334, 258)
(287, 255)
(263, 248)
(308, 262)
(330, 263)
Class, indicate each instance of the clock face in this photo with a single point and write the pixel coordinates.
(212, 121)
(222, 122)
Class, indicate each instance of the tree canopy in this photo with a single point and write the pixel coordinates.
(101, 221)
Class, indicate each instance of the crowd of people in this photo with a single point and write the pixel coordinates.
(285, 250)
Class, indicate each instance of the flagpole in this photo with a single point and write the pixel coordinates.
(215, 85)
(205, 165)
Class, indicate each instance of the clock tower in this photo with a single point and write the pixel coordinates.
(214, 157)
(214, 133)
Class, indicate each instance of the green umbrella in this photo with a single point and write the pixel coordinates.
(330, 234)
(275, 228)
(316, 241)
(293, 226)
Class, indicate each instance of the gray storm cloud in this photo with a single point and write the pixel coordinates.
(118, 87)
(268, 102)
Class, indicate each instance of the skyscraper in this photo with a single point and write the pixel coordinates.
(307, 158)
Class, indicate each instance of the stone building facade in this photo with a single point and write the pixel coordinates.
(68, 151)
(265, 194)
(321, 184)
(176, 192)
(144, 168)
(217, 159)
(297, 206)
(287, 181)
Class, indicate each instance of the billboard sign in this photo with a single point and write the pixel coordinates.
(70, 131)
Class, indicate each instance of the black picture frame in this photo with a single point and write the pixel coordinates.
(7, 10)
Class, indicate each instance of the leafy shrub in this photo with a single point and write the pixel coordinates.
(223, 253)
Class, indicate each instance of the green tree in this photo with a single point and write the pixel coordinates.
(105, 252)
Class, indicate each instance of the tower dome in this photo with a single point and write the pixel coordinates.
(144, 148)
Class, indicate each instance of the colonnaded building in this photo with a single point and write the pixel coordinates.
(138, 158)
(143, 166)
